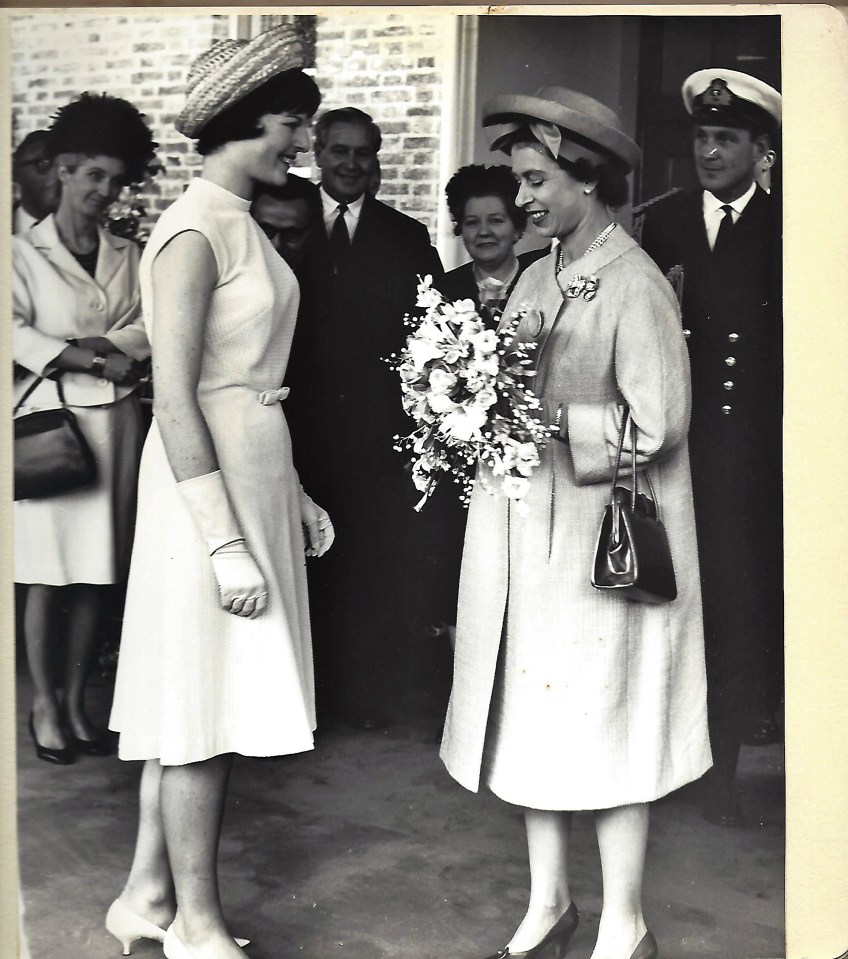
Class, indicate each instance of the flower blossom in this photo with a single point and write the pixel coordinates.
(441, 381)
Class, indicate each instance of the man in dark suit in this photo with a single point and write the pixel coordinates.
(722, 243)
(362, 264)
(285, 214)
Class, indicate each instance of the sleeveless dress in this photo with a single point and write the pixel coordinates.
(194, 681)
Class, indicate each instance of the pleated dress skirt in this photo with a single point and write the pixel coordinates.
(194, 681)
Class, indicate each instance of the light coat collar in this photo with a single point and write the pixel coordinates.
(556, 304)
(111, 255)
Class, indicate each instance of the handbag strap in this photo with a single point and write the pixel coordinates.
(33, 387)
(621, 435)
(634, 473)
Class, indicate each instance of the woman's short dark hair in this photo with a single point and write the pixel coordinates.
(612, 187)
(609, 173)
(98, 124)
(291, 91)
(477, 180)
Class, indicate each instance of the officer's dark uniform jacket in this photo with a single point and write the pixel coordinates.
(731, 306)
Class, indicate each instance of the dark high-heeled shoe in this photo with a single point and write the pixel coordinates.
(101, 746)
(59, 757)
(556, 939)
(647, 948)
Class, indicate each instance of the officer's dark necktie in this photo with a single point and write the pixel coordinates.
(722, 241)
(339, 237)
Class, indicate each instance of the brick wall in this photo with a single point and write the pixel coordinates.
(141, 58)
(388, 65)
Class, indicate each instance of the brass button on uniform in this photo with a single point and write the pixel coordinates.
(728, 384)
(730, 361)
(726, 409)
(732, 337)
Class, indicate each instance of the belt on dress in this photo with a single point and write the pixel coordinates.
(270, 397)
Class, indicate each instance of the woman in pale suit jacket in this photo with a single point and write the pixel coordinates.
(76, 315)
(565, 698)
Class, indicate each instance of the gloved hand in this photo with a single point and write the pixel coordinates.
(317, 529)
(242, 586)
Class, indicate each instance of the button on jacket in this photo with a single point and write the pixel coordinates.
(731, 308)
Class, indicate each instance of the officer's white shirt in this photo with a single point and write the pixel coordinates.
(713, 213)
(331, 211)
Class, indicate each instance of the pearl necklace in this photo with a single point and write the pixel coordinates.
(598, 242)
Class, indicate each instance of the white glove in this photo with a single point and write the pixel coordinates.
(318, 532)
(242, 587)
(241, 584)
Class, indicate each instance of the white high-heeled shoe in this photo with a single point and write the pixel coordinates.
(175, 948)
(128, 927)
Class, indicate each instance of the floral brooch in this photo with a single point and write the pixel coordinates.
(585, 286)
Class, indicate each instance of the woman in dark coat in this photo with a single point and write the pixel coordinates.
(481, 201)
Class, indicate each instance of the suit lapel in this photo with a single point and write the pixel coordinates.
(110, 258)
(367, 229)
(45, 238)
(753, 217)
(560, 309)
(111, 253)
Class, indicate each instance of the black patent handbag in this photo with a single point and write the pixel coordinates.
(51, 455)
(632, 557)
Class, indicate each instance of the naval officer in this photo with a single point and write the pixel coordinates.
(721, 244)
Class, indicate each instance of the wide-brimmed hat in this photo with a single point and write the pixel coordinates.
(733, 99)
(586, 127)
(230, 69)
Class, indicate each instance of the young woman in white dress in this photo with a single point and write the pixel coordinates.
(216, 650)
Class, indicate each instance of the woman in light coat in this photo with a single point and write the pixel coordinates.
(565, 698)
(76, 315)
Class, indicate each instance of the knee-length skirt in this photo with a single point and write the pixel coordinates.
(85, 536)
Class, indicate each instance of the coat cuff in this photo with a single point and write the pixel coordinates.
(593, 436)
(131, 340)
(36, 351)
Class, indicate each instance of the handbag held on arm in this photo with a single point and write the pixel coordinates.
(51, 454)
(633, 558)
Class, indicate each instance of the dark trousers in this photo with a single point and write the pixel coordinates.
(739, 527)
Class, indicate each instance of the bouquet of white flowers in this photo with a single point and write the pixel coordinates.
(467, 388)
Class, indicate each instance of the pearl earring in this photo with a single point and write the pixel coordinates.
(588, 190)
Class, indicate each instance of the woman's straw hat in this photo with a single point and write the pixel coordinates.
(584, 123)
(230, 69)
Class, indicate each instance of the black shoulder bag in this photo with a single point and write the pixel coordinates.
(51, 454)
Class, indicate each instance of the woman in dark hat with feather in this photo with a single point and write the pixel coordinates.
(77, 326)
(564, 698)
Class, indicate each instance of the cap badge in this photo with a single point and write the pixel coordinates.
(718, 95)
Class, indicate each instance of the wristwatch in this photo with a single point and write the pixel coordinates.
(98, 364)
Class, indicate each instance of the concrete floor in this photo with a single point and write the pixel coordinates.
(366, 849)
